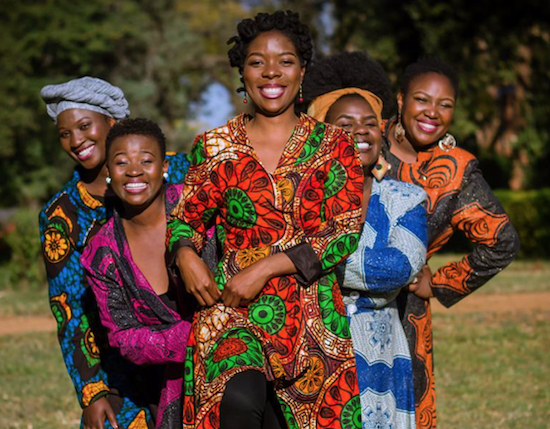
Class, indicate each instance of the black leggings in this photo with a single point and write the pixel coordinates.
(249, 402)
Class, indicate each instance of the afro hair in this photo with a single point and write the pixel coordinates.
(136, 126)
(428, 65)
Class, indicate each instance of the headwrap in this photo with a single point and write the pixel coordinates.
(321, 105)
(89, 93)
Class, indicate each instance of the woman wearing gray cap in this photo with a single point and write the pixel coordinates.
(110, 390)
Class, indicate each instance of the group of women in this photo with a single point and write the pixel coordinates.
(275, 277)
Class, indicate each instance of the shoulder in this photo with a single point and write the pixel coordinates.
(102, 245)
(213, 142)
(400, 197)
(178, 164)
(62, 208)
(461, 157)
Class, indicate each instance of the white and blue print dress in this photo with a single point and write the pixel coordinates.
(392, 249)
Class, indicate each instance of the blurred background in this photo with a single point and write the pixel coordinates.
(170, 58)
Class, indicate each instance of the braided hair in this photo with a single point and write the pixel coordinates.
(347, 70)
(287, 23)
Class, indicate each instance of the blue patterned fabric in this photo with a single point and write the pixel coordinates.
(67, 223)
(392, 249)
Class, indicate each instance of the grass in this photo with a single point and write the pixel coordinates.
(492, 370)
(35, 390)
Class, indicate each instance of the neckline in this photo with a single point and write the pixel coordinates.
(244, 119)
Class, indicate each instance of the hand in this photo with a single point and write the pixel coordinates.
(422, 286)
(94, 415)
(246, 285)
(197, 277)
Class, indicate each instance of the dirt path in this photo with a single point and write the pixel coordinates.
(523, 302)
(502, 303)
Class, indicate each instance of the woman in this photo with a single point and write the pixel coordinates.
(125, 264)
(285, 194)
(84, 110)
(422, 151)
(347, 90)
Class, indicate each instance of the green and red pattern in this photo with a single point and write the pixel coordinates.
(296, 334)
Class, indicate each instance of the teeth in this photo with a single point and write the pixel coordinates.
(135, 185)
(272, 90)
(85, 152)
(364, 145)
(427, 127)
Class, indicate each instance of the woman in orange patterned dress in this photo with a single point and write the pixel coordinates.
(421, 151)
(285, 195)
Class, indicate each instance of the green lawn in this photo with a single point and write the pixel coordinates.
(492, 370)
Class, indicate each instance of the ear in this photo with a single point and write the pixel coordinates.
(302, 73)
(165, 164)
(400, 102)
(111, 121)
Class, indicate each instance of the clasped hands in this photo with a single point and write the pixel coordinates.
(239, 290)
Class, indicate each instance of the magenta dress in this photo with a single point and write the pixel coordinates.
(138, 322)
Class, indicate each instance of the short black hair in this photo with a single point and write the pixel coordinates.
(346, 70)
(136, 126)
(428, 65)
(287, 23)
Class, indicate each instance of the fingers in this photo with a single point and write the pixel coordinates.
(111, 417)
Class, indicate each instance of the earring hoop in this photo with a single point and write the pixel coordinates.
(447, 143)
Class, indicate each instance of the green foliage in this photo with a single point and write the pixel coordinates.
(26, 269)
(529, 212)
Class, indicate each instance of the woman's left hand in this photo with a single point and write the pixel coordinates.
(422, 287)
(243, 287)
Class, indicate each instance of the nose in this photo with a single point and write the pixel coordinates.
(271, 70)
(134, 169)
(76, 139)
(360, 130)
(431, 111)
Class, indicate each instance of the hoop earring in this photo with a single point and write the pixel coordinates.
(301, 95)
(108, 180)
(399, 131)
(165, 176)
(447, 143)
(245, 100)
(380, 168)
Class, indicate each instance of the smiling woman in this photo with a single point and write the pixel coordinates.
(285, 194)
(139, 303)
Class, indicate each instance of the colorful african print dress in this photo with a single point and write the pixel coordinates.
(459, 198)
(392, 249)
(67, 223)
(296, 330)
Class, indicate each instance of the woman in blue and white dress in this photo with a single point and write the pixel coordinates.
(392, 249)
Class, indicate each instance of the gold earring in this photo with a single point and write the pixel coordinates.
(447, 143)
(399, 131)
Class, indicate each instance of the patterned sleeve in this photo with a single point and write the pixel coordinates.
(483, 221)
(198, 205)
(390, 268)
(70, 302)
(331, 212)
(140, 344)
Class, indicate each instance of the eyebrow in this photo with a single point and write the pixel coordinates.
(428, 95)
(80, 120)
(281, 54)
(344, 116)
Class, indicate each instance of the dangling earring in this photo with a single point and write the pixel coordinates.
(301, 95)
(165, 176)
(447, 143)
(380, 168)
(245, 100)
(108, 180)
(399, 131)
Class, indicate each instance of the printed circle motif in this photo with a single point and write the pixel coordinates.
(240, 208)
(269, 313)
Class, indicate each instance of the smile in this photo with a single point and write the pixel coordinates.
(135, 187)
(364, 146)
(84, 154)
(272, 91)
(426, 127)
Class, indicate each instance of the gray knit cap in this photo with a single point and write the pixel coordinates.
(89, 93)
